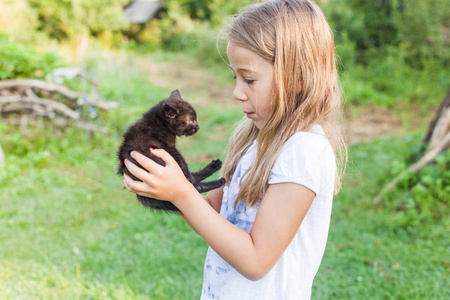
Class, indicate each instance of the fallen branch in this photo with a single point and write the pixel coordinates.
(431, 130)
(24, 100)
(44, 107)
(437, 140)
(24, 86)
(443, 145)
(58, 122)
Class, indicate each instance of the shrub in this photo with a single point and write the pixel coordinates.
(420, 198)
(19, 61)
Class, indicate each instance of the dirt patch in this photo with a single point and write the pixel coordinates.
(374, 122)
(190, 79)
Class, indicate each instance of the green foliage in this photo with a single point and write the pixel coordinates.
(19, 21)
(186, 25)
(391, 52)
(61, 19)
(214, 11)
(422, 198)
(390, 81)
(415, 26)
(23, 62)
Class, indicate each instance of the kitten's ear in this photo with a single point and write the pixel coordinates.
(176, 94)
(170, 111)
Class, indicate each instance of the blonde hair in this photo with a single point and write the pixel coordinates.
(295, 37)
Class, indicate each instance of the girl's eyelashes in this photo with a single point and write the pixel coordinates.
(248, 81)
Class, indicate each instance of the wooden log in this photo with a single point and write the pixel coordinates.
(441, 146)
(443, 107)
(436, 141)
(18, 101)
(27, 85)
(61, 115)
(40, 84)
(58, 122)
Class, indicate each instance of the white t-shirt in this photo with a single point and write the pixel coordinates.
(307, 159)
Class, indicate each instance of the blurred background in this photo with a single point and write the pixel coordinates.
(75, 74)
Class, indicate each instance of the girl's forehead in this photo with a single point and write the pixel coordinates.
(242, 59)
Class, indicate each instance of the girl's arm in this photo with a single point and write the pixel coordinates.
(213, 198)
(252, 254)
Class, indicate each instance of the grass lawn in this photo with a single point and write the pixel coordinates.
(69, 231)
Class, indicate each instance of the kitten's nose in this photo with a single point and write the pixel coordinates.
(195, 125)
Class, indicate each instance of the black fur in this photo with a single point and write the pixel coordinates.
(158, 128)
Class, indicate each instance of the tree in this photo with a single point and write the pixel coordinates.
(62, 19)
(416, 27)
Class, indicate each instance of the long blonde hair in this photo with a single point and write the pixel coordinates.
(295, 37)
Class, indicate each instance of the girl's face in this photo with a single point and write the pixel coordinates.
(254, 83)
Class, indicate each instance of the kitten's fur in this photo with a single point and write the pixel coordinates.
(158, 128)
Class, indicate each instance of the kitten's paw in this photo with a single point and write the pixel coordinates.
(222, 181)
(216, 164)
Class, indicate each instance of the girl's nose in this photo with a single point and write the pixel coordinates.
(238, 93)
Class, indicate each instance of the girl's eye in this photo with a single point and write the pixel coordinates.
(248, 81)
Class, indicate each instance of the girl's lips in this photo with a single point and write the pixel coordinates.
(249, 114)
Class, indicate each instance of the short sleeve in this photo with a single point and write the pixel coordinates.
(307, 159)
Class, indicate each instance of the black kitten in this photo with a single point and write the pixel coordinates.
(158, 128)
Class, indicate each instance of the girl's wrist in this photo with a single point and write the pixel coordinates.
(187, 195)
(189, 200)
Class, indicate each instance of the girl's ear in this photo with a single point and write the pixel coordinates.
(170, 111)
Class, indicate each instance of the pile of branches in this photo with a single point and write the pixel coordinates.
(24, 101)
(435, 142)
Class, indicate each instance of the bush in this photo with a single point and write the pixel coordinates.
(23, 62)
(420, 198)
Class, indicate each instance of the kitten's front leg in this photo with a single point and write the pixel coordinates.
(207, 171)
(209, 185)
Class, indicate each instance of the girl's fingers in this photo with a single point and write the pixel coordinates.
(147, 163)
(164, 155)
(133, 186)
(125, 183)
(135, 170)
(160, 182)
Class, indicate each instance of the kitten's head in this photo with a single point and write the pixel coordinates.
(180, 116)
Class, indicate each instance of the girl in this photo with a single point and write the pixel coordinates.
(267, 228)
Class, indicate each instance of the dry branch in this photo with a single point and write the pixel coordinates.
(443, 109)
(36, 98)
(45, 107)
(437, 140)
(24, 86)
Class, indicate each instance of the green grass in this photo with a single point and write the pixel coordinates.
(368, 255)
(69, 231)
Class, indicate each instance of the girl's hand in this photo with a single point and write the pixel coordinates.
(166, 183)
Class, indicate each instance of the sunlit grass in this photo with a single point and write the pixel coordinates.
(69, 231)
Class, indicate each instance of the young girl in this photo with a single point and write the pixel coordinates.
(267, 228)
